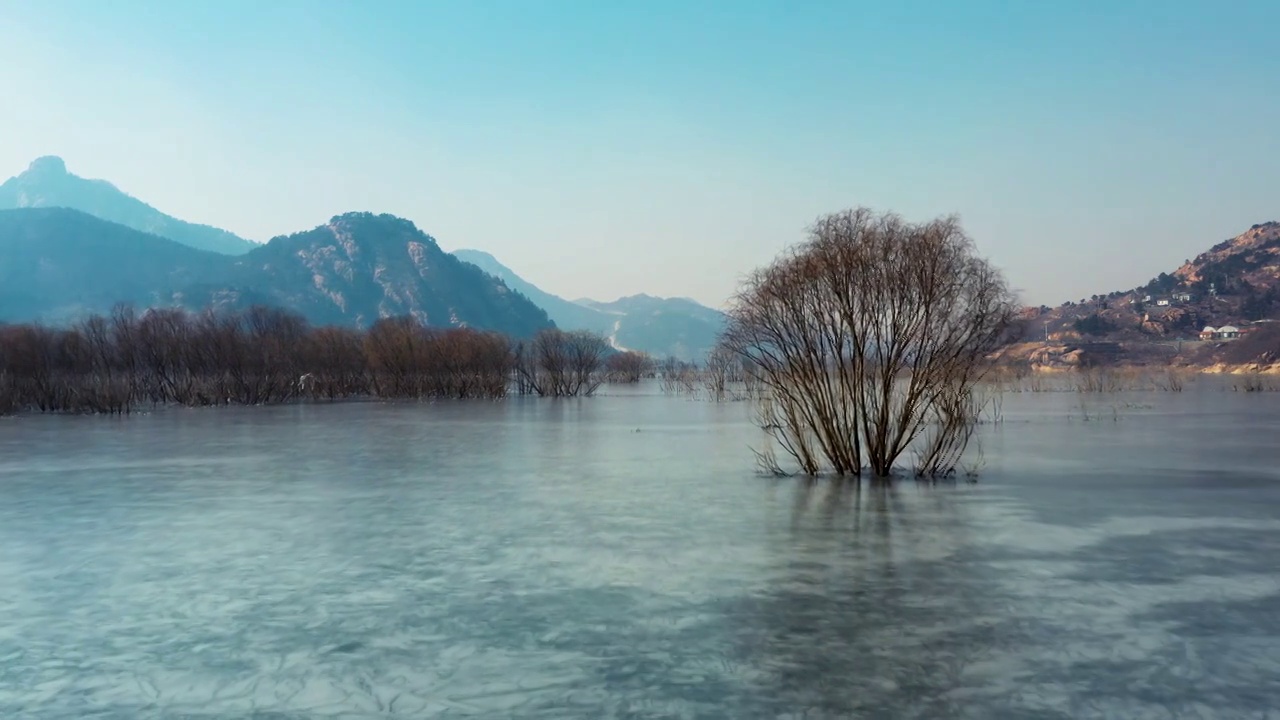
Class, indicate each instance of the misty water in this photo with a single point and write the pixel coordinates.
(619, 557)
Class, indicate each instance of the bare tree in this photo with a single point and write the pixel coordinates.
(723, 377)
(861, 336)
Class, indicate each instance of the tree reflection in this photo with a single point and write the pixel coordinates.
(873, 606)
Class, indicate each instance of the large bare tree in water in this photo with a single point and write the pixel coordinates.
(868, 338)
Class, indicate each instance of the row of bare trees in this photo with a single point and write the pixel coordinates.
(117, 363)
(867, 340)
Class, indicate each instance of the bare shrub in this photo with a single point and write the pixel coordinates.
(628, 366)
(865, 334)
(562, 364)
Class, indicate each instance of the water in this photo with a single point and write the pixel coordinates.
(618, 557)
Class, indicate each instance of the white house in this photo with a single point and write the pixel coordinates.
(1183, 297)
(1227, 332)
(1162, 303)
(1209, 332)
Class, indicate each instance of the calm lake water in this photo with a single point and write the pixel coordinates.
(618, 557)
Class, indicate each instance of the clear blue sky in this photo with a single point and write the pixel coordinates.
(609, 148)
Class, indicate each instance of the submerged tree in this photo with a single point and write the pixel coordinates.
(868, 335)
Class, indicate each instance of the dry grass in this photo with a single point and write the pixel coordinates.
(1097, 380)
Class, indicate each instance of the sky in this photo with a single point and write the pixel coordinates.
(602, 149)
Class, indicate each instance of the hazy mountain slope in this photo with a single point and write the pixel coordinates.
(57, 264)
(684, 328)
(564, 313)
(662, 327)
(46, 183)
(645, 304)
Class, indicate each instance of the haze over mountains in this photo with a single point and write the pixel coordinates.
(71, 246)
(46, 183)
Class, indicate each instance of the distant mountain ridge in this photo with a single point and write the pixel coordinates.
(662, 327)
(71, 246)
(58, 264)
(47, 183)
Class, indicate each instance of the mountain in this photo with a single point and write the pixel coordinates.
(1173, 318)
(649, 305)
(661, 327)
(360, 267)
(1243, 265)
(58, 264)
(46, 183)
(566, 314)
(682, 327)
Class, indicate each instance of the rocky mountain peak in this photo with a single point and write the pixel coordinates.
(48, 165)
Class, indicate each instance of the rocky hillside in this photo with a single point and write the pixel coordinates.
(661, 327)
(1189, 316)
(360, 267)
(1247, 265)
(46, 184)
(58, 264)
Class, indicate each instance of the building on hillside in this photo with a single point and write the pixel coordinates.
(1226, 332)
(1183, 297)
(1162, 302)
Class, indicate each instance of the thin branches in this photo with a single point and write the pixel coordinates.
(867, 334)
